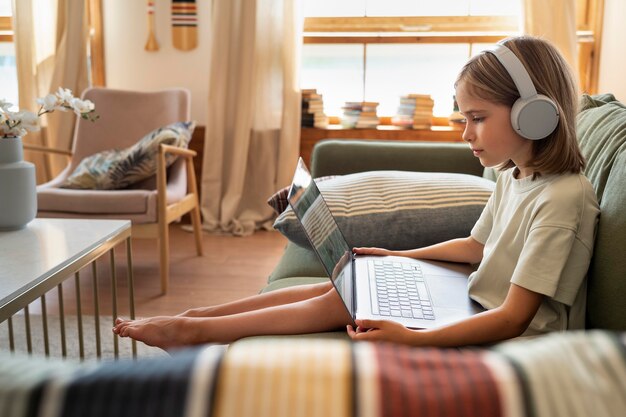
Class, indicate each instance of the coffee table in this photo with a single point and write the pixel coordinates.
(44, 254)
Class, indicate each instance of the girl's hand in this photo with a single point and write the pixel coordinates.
(372, 251)
(381, 330)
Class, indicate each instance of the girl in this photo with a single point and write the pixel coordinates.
(533, 241)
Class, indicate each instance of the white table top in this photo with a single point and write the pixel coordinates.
(44, 247)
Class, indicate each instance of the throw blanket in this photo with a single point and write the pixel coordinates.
(571, 374)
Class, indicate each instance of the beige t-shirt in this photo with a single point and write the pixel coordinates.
(538, 235)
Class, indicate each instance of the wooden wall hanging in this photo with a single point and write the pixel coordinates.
(152, 44)
(184, 24)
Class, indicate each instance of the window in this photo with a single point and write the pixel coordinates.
(8, 70)
(378, 50)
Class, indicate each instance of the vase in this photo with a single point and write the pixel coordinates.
(18, 192)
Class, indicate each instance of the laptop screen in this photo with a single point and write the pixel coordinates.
(322, 231)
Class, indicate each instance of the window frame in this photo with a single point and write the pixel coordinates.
(96, 42)
(416, 29)
(6, 29)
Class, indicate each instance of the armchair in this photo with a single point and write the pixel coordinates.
(151, 205)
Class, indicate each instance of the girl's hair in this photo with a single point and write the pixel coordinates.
(488, 80)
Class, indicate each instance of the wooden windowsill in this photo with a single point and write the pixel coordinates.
(335, 127)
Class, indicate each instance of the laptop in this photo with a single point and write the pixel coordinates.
(419, 294)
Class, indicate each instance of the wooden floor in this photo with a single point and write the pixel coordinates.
(231, 268)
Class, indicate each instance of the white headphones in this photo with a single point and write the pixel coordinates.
(533, 116)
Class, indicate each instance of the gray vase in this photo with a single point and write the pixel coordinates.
(18, 192)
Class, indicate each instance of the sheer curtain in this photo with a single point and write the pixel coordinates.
(553, 20)
(51, 52)
(253, 127)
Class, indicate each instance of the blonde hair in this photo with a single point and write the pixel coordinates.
(488, 80)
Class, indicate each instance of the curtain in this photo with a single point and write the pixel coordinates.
(51, 52)
(555, 21)
(253, 126)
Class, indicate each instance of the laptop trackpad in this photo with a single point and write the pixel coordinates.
(449, 292)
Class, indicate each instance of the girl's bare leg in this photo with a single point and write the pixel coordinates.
(321, 313)
(256, 302)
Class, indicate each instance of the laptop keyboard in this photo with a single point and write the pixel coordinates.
(399, 290)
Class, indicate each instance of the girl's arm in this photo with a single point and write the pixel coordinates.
(509, 320)
(466, 250)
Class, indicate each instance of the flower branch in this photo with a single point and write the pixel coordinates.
(20, 122)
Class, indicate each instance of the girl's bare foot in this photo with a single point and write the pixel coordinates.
(162, 331)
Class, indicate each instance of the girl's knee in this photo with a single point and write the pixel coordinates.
(331, 296)
(333, 304)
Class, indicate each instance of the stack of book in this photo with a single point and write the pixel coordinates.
(359, 115)
(415, 111)
(313, 109)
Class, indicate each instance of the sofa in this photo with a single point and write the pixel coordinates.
(576, 373)
(601, 127)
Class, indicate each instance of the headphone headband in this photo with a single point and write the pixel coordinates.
(516, 70)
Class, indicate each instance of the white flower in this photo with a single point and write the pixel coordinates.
(29, 120)
(81, 107)
(48, 103)
(4, 124)
(65, 95)
(18, 123)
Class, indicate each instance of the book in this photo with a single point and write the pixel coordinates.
(312, 109)
(414, 111)
(360, 115)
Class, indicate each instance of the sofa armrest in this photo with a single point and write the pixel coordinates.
(338, 157)
(329, 375)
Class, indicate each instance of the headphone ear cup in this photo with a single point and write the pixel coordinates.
(534, 117)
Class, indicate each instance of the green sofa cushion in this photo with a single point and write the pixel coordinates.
(601, 129)
(341, 156)
(297, 262)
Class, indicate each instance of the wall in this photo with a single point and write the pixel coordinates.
(612, 57)
(129, 66)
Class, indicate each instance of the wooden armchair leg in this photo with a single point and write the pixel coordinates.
(192, 187)
(197, 229)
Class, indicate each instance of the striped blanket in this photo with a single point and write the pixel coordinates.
(572, 374)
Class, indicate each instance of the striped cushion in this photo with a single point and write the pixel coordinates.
(278, 200)
(398, 209)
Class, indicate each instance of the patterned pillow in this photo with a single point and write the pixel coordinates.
(278, 200)
(398, 209)
(120, 168)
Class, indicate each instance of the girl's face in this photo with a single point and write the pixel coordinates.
(489, 132)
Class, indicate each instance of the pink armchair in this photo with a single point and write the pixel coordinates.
(125, 117)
